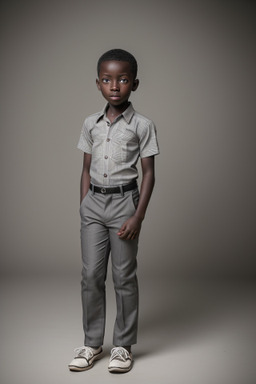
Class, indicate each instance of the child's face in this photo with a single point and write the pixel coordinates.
(116, 82)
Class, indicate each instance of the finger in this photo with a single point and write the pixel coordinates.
(132, 235)
(135, 235)
(121, 230)
(127, 235)
(123, 235)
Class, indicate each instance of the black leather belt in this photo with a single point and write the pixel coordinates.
(120, 189)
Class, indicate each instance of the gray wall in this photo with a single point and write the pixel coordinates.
(197, 72)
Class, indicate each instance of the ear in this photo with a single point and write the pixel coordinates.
(98, 84)
(135, 84)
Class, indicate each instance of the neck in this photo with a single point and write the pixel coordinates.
(117, 110)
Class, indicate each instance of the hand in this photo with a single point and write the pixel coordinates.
(130, 229)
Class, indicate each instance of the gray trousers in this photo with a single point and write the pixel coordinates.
(101, 218)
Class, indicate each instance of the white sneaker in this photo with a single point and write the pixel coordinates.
(84, 358)
(120, 361)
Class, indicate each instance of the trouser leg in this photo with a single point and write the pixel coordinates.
(95, 252)
(124, 268)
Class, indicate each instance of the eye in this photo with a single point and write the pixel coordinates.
(105, 80)
(123, 81)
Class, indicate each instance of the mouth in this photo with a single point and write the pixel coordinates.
(114, 97)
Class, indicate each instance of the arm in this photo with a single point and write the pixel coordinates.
(85, 177)
(131, 228)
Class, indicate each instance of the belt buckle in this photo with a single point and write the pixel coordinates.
(103, 190)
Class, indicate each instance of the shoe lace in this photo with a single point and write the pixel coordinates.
(119, 353)
(84, 352)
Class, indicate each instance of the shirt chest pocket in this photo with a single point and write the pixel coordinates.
(124, 146)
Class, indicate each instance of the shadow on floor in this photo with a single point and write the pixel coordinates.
(179, 313)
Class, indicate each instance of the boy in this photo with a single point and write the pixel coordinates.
(112, 209)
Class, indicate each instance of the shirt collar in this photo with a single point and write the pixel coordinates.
(127, 114)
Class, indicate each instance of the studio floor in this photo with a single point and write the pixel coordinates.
(191, 332)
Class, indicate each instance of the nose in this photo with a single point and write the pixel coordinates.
(114, 85)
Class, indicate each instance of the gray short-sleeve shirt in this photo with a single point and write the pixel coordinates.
(116, 147)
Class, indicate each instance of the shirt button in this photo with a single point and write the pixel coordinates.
(108, 139)
(105, 175)
(106, 157)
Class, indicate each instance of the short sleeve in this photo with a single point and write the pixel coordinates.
(148, 141)
(85, 141)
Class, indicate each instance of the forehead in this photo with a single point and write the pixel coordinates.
(114, 67)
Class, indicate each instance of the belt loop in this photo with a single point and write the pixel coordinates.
(121, 190)
(92, 189)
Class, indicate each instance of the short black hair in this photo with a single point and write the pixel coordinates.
(119, 55)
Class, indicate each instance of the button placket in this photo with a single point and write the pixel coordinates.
(106, 154)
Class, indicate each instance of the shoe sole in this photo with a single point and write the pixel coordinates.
(120, 370)
(75, 368)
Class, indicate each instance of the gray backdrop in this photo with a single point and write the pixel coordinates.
(197, 82)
